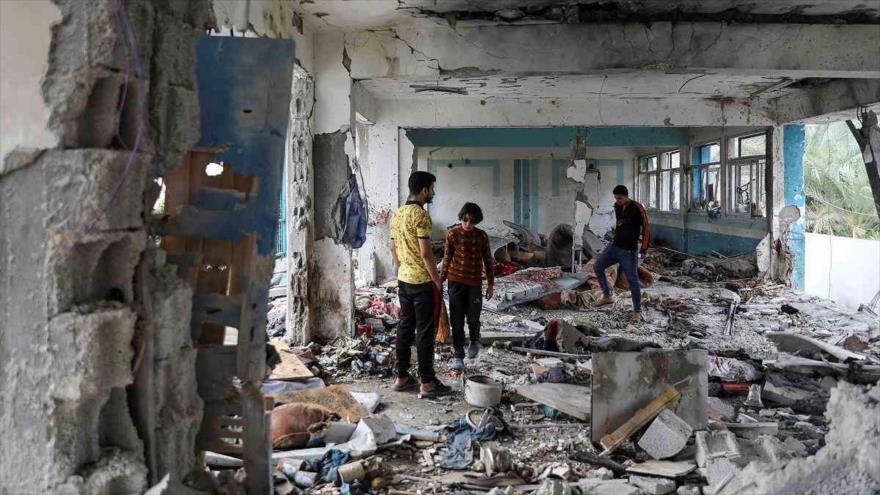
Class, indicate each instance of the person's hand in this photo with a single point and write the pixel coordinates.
(490, 291)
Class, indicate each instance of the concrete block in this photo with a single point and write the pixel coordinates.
(667, 435)
(689, 490)
(607, 487)
(91, 269)
(645, 375)
(175, 55)
(653, 486)
(82, 197)
(92, 365)
(174, 116)
(716, 444)
(725, 411)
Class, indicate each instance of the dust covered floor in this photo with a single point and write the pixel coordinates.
(784, 402)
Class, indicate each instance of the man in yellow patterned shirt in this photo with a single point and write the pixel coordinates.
(418, 287)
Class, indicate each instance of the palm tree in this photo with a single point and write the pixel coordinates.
(839, 199)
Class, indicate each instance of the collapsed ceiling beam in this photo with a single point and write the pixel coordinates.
(828, 102)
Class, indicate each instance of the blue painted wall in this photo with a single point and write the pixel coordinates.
(793, 144)
(546, 137)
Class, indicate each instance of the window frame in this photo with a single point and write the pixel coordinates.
(698, 168)
(733, 174)
(656, 176)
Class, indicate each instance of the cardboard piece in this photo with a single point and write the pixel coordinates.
(573, 400)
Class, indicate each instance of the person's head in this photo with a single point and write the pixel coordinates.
(421, 186)
(621, 195)
(470, 215)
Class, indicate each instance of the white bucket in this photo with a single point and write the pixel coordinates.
(482, 391)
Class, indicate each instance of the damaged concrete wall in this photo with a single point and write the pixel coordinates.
(25, 46)
(120, 91)
(488, 176)
(330, 286)
(380, 175)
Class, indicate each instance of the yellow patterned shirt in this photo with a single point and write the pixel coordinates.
(409, 223)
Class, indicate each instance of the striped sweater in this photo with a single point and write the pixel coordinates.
(466, 257)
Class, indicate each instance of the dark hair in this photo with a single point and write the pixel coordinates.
(419, 180)
(620, 190)
(472, 210)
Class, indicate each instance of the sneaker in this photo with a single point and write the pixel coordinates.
(434, 389)
(605, 301)
(405, 383)
(635, 319)
(457, 364)
(473, 350)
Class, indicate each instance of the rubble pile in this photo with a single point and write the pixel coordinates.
(730, 385)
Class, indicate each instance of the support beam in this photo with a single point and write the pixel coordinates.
(778, 50)
(829, 102)
(465, 111)
(794, 141)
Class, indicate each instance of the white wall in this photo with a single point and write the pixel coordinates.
(24, 58)
(460, 184)
(842, 269)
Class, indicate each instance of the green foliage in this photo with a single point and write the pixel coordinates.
(839, 200)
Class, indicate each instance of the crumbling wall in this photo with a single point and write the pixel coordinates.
(300, 213)
(849, 463)
(121, 97)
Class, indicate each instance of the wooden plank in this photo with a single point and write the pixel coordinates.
(665, 469)
(291, 367)
(573, 400)
(257, 440)
(640, 419)
(335, 397)
(215, 369)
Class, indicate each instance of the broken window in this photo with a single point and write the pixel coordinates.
(745, 174)
(659, 185)
(706, 177)
(745, 146)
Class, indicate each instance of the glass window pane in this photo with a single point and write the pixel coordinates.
(644, 180)
(714, 153)
(649, 163)
(675, 159)
(664, 160)
(710, 198)
(744, 189)
(652, 195)
(665, 189)
(676, 190)
(753, 145)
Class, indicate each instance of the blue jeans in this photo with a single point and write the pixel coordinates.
(629, 265)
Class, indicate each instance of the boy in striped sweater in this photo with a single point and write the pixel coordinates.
(466, 257)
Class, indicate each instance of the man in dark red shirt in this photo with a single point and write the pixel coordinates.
(466, 257)
(632, 220)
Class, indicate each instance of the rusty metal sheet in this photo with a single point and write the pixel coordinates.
(624, 382)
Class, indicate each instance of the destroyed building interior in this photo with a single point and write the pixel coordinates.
(199, 294)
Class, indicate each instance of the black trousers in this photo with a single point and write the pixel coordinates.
(420, 311)
(465, 302)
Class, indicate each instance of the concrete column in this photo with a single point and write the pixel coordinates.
(300, 213)
(793, 174)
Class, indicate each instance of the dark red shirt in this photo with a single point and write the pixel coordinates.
(467, 256)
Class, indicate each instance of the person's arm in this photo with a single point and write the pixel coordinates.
(448, 254)
(488, 264)
(646, 229)
(428, 260)
(394, 259)
(423, 233)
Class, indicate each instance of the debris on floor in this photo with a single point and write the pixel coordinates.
(730, 384)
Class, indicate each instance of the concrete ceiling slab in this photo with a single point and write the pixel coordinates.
(372, 14)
